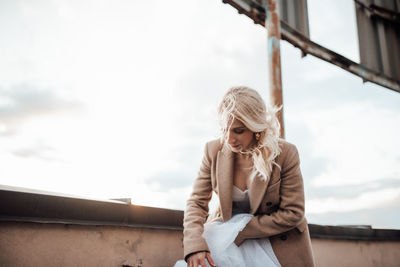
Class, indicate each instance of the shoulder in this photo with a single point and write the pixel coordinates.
(213, 146)
(288, 150)
(286, 146)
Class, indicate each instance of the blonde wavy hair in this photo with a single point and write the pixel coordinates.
(246, 105)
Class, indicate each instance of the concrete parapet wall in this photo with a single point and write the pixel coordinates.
(59, 245)
(47, 244)
(49, 229)
(353, 253)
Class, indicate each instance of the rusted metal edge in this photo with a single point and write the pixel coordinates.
(257, 13)
(384, 13)
(274, 59)
(309, 47)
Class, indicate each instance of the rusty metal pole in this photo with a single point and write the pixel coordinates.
(272, 23)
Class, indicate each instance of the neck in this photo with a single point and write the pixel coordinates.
(243, 160)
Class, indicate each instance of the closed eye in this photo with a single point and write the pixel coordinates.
(238, 130)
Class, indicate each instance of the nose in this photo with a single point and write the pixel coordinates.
(230, 138)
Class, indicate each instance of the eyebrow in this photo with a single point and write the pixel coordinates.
(239, 127)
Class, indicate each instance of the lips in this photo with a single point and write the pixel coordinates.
(236, 146)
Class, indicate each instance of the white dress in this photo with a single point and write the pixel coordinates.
(220, 237)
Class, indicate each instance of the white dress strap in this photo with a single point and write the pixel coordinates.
(239, 195)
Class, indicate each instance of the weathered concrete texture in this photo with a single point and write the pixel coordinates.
(352, 253)
(37, 244)
(47, 244)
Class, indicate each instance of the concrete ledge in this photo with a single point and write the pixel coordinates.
(18, 204)
(25, 205)
(353, 233)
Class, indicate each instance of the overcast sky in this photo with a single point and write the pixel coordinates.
(108, 99)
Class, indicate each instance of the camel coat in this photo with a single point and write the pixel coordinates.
(278, 204)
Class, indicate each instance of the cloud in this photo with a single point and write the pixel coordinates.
(357, 141)
(336, 29)
(174, 179)
(183, 170)
(352, 191)
(346, 133)
(363, 201)
(36, 150)
(384, 215)
(26, 100)
(22, 102)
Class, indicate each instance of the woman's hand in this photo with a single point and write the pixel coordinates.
(200, 258)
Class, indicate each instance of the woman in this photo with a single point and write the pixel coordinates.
(256, 175)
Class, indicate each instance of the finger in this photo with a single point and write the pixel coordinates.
(210, 260)
(203, 262)
(195, 262)
(190, 262)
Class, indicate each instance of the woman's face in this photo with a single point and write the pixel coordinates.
(239, 137)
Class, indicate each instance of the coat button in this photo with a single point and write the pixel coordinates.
(283, 237)
(269, 204)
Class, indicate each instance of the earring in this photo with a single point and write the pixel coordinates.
(258, 136)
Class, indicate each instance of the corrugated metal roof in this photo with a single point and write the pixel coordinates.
(379, 35)
(295, 14)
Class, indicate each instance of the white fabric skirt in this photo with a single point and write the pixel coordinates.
(220, 237)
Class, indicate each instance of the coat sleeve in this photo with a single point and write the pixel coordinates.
(197, 209)
(291, 208)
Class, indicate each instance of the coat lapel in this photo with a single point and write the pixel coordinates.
(225, 161)
(256, 192)
(225, 168)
